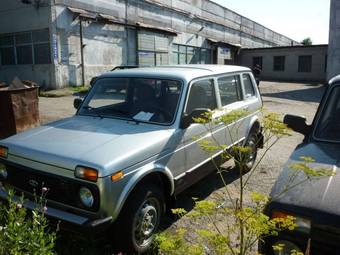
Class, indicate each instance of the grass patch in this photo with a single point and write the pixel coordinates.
(80, 89)
(68, 91)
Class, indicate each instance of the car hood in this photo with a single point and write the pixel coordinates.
(104, 144)
(322, 194)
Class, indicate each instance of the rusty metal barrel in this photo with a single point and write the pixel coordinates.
(19, 110)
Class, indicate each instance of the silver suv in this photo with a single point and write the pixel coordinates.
(130, 148)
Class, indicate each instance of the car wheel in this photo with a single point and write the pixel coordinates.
(139, 220)
(249, 161)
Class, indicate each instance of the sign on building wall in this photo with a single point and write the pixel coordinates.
(225, 53)
(55, 49)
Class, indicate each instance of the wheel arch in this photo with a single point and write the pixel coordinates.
(255, 126)
(159, 175)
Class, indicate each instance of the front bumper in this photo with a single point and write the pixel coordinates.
(65, 220)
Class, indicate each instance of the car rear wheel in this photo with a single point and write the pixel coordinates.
(247, 161)
(139, 220)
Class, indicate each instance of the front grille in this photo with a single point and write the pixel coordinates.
(60, 189)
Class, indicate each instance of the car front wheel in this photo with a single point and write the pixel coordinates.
(139, 220)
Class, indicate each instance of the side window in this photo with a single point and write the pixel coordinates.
(230, 89)
(202, 95)
(248, 86)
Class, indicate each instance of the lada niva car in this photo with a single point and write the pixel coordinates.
(130, 147)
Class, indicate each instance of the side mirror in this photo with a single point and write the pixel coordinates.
(77, 103)
(188, 119)
(297, 124)
(93, 80)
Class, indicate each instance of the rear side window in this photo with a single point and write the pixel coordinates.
(230, 89)
(202, 95)
(248, 86)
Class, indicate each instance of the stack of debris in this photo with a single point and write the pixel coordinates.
(17, 84)
(19, 107)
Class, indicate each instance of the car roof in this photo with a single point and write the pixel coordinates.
(183, 72)
(334, 80)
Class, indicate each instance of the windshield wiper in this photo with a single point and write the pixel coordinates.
(94, 110)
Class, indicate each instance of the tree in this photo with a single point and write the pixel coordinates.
(307, 41)
(236, 224)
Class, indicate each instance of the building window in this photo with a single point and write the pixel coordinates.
(182, 54)
(153, 49)
(279, 63)
(25, 48)
(305, 64)
(257, 61)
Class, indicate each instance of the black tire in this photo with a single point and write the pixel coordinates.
(249, 161)
(139, 220)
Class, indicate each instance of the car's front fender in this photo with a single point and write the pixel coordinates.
(137, 176)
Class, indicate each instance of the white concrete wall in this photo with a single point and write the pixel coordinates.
(291, 73)
(18, 17)
(334, 40)
(105, 47)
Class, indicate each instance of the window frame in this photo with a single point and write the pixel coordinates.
(192, 82)
(244, 89)
(282, 65)
(155, 51)
(242, 97)
(32, 43)
(261, 61)
(177, 114)
(301, 68)
(178, 52)
(319, 114)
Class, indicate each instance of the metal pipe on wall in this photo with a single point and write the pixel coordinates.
(82, 51)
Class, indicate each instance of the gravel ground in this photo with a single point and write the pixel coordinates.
(283, 98)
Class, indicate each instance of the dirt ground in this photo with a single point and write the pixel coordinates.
(283, 98)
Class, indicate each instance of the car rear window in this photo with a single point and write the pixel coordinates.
(248, 86)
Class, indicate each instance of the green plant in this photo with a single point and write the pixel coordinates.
(236, 224)
(307, 41)
(22, 232)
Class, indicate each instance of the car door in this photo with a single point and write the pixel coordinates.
(251, 101)
(201, 94)
(230, 97)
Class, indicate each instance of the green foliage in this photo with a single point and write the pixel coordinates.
(22, 233)
(175, 244)
(305, 167)
(234, 226)
(307, 41)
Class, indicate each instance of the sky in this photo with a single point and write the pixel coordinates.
(296, 19)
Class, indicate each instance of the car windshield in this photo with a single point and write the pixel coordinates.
(139, 99)
(328, 127)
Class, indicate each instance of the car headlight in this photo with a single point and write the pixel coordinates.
(283, 247)
(302, 224)
(3, 172)
(86, 197)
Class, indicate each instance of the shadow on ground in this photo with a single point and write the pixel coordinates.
(70, 244)
(312, 93)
